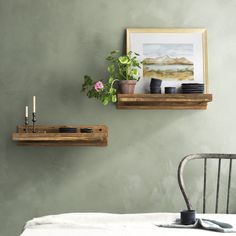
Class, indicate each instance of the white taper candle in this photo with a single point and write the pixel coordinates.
(34, 104)
(26, 111)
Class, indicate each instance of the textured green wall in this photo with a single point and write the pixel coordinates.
(46, 47)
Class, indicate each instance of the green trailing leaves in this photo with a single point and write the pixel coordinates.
(111, 68)
(101, 90)
(113, 98)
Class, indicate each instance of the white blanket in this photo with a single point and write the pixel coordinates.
(105, 224)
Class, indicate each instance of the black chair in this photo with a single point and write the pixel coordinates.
(205, 158)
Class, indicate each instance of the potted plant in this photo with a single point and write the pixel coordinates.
(125, 69)
(122, 69)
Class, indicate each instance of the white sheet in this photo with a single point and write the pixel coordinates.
(105, 224)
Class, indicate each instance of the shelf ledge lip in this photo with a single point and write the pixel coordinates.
(164, 101)
(48, 135)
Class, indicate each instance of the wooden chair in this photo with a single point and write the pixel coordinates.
(205, 158)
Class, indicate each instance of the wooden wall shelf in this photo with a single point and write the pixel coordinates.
(164, 101)
(49, 136)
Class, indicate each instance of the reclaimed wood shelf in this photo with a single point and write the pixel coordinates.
(164, 101)
(47, 135)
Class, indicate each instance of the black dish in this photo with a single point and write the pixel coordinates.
(192, 89)
(189, 92)
(86, 130)
(67, 130)
(192, 84)
(170, 90)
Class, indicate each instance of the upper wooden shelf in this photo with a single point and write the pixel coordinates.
(164, 101)
(50, 136)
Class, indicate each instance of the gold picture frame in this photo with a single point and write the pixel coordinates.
(196, 38)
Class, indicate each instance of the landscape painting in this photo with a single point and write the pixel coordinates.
(168, 61)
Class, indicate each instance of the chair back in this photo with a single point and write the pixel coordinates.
(205, 158)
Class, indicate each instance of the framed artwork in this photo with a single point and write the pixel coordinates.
(175, 56)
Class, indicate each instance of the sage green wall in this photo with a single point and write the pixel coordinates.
(46, 47)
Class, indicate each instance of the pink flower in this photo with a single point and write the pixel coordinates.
(98, 86)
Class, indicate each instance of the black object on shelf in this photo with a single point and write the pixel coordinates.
(192, 88)
(34, 121)
(155, 82)
(170, 90)
(155, 90)
(67, 130)
(155, 85)
(86, 130)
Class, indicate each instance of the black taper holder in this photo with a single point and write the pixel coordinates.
(34, 121)
(26, 124)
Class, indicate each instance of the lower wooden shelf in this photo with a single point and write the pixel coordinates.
(164, 101)
(50, 136)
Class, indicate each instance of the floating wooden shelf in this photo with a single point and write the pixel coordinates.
(164, 101)
(50, 136)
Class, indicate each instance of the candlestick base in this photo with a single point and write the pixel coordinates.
(26, 124)
(34, 121)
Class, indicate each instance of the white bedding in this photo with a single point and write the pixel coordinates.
(105, 224)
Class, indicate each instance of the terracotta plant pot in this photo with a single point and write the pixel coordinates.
(127, 86)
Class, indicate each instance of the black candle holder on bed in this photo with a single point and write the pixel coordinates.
(188, 217)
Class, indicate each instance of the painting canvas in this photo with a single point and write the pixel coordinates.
(168, 61)
(175, 56)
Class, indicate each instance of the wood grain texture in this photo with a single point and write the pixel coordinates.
(50, 136)
(164, 101)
